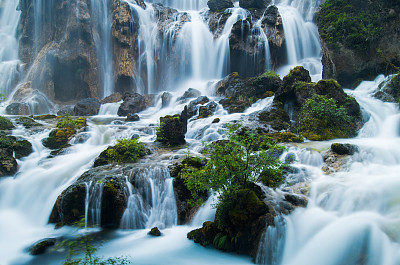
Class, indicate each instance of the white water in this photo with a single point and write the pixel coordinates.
(9, 63)
(353, 215)
(183, 4)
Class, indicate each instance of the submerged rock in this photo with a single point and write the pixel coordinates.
(155, 232)
(41, 246)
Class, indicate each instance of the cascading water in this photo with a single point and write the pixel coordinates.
(102, 19)
(352, 216)
(183, 5)
(9, 63)
(94, 193)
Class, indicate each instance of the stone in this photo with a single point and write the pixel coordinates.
(66, 110)
(261, 4)
(22, 148)
(172, 130)
(113, 98)
(193, 105)
(132, 117)
(344, 149)
(17, 109)
(41, 246)
(219, 5)
(155, 232)
(275, 116)
(87, 107)
(207, 110)
(5, 124)
(166, 98)
(135, 103)
(8, 164)
(216, 120)
(190, 93)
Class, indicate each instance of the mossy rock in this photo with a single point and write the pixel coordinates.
(286, 137)
(155, 232)
(27, 122)
(45, 117)
(344, 149)
(41, 246)
(299, 73)
(22, 148)
(58, 138)
(8, 164)
(5, 124)
(172, 130)
(277, 117)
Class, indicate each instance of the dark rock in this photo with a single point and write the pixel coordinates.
(8, 164)
(155, 232)
(208, 110)
(66, 110)
(172, 129)
(17, 109)
(190, 93)
(389, 90)
(113, 98)
(5, 124)
(254, 3)
(219, 5)
(296, 200)
(166, 98)
(27, 122)
(41, 246)
(45, 117)
(276, 117)
(135, 103)
(132, 117)
(344, 149)
(87, 107)
(193, 105)
(22, 148)
(216, 120)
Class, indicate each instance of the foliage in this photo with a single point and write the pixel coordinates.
(340, 22)
(320, 119)
(84, 244)
(68, 122)
(126, 150)
(27, 122)
(5, 124)
(233, 163)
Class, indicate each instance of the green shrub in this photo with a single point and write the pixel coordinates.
(127, 150)
(68, 122)
(321, 119)
(5, 124)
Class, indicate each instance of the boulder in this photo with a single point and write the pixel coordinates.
(344, 149)
(261, 4)
(134, 103)
(190, 93)
(166, 98)
(5, 124)
(87, 107)
(132, 117)
(8, 164)
(113, 98)
(22, 148)
(66, 110)
(207, 110)
(27, 122)
(219, 5)
(172, 129)
(155, 232)
(389, 90)
(276, 117)
(41, 246)
(17, 109)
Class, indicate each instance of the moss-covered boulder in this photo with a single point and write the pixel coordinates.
(389, 90)
(186, 206)
(155, 232)
(8, 164)
(276, 117)
(67, 127)
(5, 124)
(41, 246)
(172, 129)
(22, 148)
(125, 151)
(27, 122)
(261, 4)
(344, 149)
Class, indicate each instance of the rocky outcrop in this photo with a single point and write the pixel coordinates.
(134, 103)
(219, 5)
(337, 157)
(389, 90)
(359, 39)
(254, 3)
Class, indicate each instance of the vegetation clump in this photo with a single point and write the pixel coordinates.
(172, 130)
(27, 122)
(341, 22)
(125, 151)
(321, 119)
(5, 124)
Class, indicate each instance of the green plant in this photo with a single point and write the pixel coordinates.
(68, 122)
(233, 163)
(320, 118)
(5, 124)
(126, 150)
(84, 244)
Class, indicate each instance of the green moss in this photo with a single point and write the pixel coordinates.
(22, 148)
(27, 122)
(68, 122)
(45, 117)
(286, 137)
(341, 22)
(5, 124)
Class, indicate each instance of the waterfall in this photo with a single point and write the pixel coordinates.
(151, 201)
(9, 63)
(353, 215)
(94, 193)
(102, 20)
(183, 4)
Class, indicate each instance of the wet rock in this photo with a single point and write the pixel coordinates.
(254, 3)
(219, 5)
(166, 98)
(172, 129)
(66, 110)
(207, 110)
(344, 149)
(113, 98)
(27, 122)
(41, 246)
(155, 232)
(190, 93)
(66, 129)
(8, 164)
(132, 117)
(5, 124)
(134, 103)
(193, 105)
(276, 117)
(22, 148)
(389, 90)
(17, 109)
(216, 120)
(87, 107)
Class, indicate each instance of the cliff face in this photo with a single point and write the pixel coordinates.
(359, 39)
